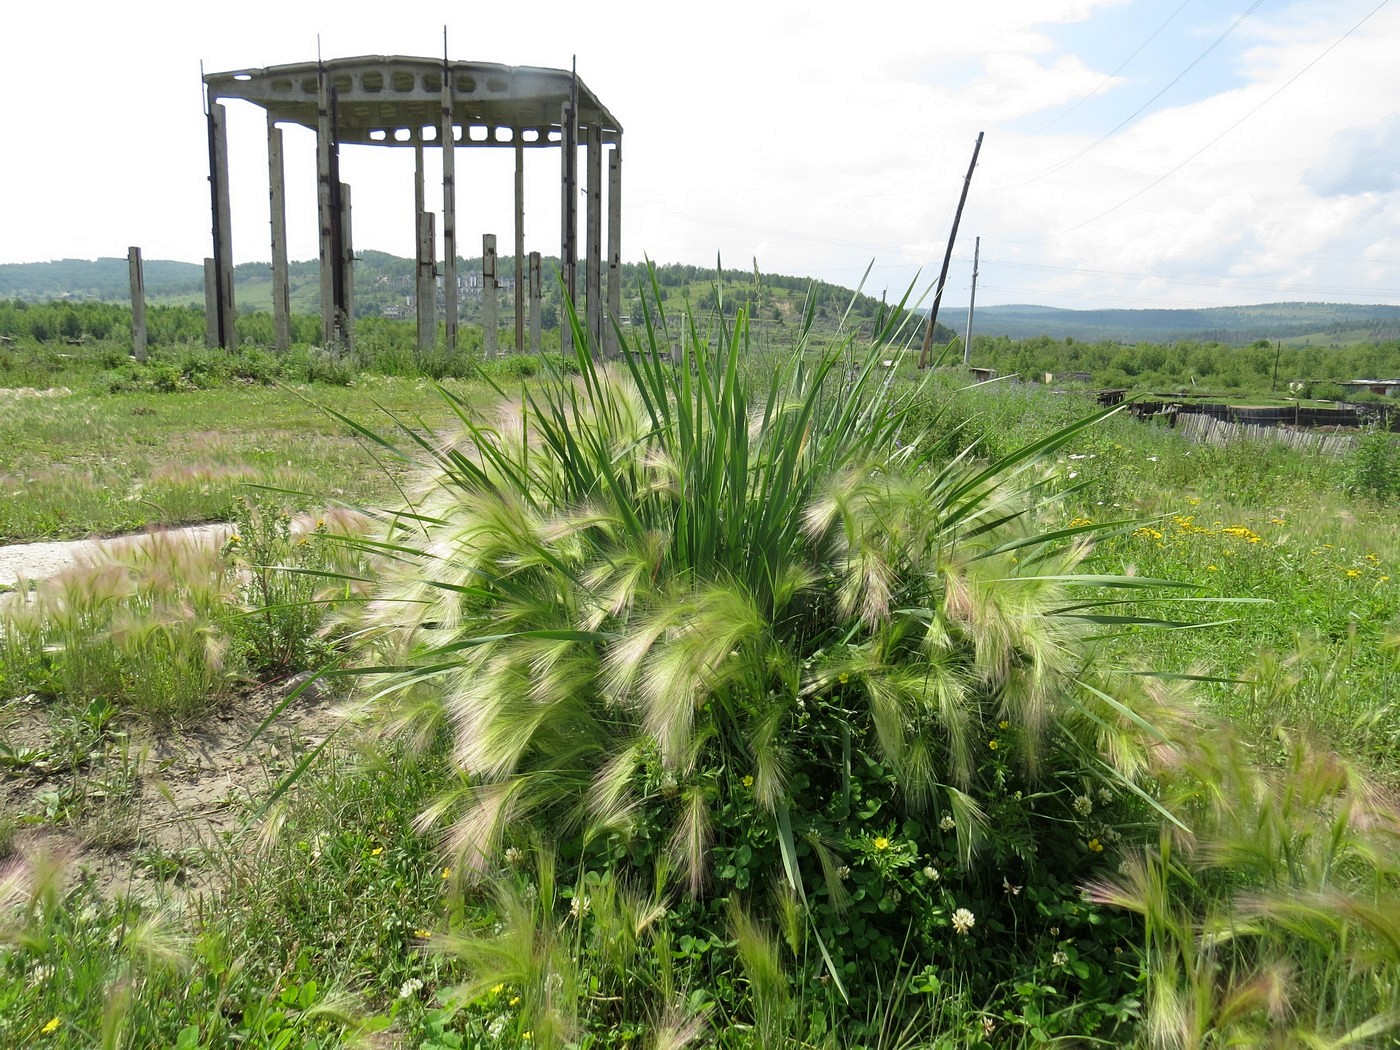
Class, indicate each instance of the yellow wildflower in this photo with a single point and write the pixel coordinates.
(514, 1001)
(447, 873)
(993, 744)
(1095, 846)
(51, 1026)
(881, 843)
(1353, 573)
(422, 935)
(1212, 568)
(376, 851)
(748, 781)
(1003, 724)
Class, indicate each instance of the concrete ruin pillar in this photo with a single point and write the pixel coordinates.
(490, 324)
(449, 215)
(138, 303)
(568, 210)
(223, 226)
(594, 249)
(535, 289)
(211, 303)
(519, 242)
(277, 206)
(426, 296)
(325, 209)
(614, 317)
(346, 308)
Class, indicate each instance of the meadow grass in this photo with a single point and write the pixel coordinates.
(84, 463)
(1257, 926)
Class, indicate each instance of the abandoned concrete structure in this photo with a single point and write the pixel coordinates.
(418, 103)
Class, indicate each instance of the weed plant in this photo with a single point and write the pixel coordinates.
(742, 654)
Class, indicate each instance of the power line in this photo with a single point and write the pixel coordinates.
(1117, 69)
(1278, 91)
(1135, 113)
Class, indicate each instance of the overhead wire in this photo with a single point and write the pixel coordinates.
(1273, 95)
(1137, 112)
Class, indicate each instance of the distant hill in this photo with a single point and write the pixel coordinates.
(1316, 323)
(384, 284)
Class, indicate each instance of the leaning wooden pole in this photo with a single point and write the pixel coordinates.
(948, 257)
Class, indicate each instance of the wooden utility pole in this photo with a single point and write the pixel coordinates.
(948, 256)
(971, 303)
(138, 303)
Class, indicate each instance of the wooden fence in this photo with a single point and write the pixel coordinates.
(1211, 431)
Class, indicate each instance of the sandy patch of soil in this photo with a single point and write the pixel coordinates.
(146, 810)
(36, 561)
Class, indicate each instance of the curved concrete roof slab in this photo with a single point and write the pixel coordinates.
(398, 101)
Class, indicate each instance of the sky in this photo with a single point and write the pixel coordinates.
(1137, 153)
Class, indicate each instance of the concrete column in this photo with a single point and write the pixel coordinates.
(277, 206)
(223, 224)
(325, 193)
(449, 215)
(211, 303)
(346, 311)
(138, 303)
(568, 147)
(419, 202)
(536, 286)
(490, 324)
(427, 287)
(519, 242)
(594, 248)
(614, 317)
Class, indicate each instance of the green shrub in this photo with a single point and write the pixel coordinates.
(748, 650)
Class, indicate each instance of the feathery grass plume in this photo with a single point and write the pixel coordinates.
(1274, 920)
(663, 609)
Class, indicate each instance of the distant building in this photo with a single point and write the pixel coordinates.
(1386, 387)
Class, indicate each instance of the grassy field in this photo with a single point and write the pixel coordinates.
(326, 913)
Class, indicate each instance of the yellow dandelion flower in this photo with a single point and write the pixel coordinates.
(376, 851)
(1079, 523)
(881, 843)
(514, 1001)
(1353, 573)
(1385, 579)
(1212, 568)
(498, 989)
(51, 1026)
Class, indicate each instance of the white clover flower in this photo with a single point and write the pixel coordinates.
(410, 988)
(947, 824)
(1006, 887)
(1083, 805)
(1059, 958)
(578, 907)
(1105, 796)
(514, 857)
(497, 1027)
(931, 873)
(843, 873)
(1054, 931)
(39, 975)
(963, 920)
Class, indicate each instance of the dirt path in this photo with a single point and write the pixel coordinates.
(35, 561)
